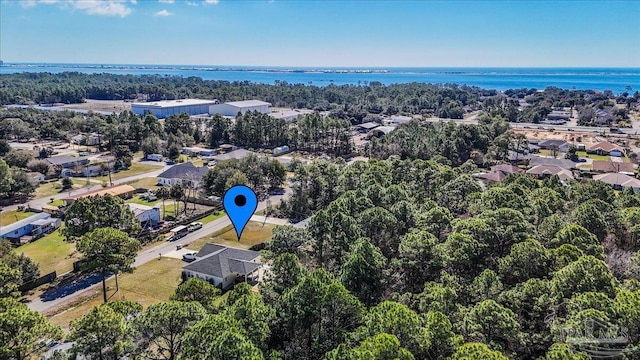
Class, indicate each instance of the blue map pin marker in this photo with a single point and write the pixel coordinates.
(240, 202)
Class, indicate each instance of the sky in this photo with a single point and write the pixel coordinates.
(323, 33)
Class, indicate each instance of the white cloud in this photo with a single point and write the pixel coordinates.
(214, 2)
(166, 1)
(91, 7)
(191, 3)
(28, 3)
(107, 8)
(163, 12)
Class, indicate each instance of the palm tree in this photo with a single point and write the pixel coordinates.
(176, 193)
(163, 193)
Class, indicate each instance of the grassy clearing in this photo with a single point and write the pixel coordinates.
(593, 156)
(135, 169)
(58, 202)
(51, 253)
(145, 183)
(55, 187)
(194, 160)
(152, 282)
(211, 217)
(253, 234)
(140, 201)
(9, 217)
(48, 189)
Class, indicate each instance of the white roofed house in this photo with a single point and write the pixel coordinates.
(29, 229)
(223, 265)
(148, 216)
(185, 174)
(235, 107)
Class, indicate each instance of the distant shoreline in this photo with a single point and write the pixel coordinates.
(617, 80)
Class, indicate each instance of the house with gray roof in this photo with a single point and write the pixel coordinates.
(222, 265)
(28, 229)
(554, 144)
(563, 163)
(185, 174)
(67, 161)
(234, 154)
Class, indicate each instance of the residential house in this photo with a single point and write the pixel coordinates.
(380, 131)
(619, 181)
(67, 161)
(28, 229)
(563, 163)
(234, 154)
(545, 171)
(87, 139)
(491, 176)
(148, 216)
(554, 144)
(498, 172)
(289, 115)
(398, 119)
(185, 174)
(556, 115)
(366, 127)
(603, 117)
(96, 170)
(610, 166)
(223, 265)
(122, 191)
(198, 151)
(606, 148)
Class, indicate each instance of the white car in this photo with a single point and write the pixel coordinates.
(189, 257)
(195, 226)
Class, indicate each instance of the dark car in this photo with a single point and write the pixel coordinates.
(170, 162)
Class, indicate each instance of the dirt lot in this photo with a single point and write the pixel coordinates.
(569, 136)
(101, 105)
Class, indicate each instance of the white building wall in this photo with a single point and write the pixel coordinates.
(231, 110)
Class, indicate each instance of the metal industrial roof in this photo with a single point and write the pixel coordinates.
(247, 103)
(175, 103)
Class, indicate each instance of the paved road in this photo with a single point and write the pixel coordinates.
(75, 290)
(38, 203)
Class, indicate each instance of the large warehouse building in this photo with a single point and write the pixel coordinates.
(235, 107)
(162, 109)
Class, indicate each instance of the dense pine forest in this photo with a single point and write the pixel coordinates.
(403, 259)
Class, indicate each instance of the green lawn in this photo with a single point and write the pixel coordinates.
(51, 253)
(209, 218)
(58, 203)
(55, 187)
(135, 169)
(253, 234)
(9, 217)
(584, 154)
(139, 200)
(150, 283)
(145, 183)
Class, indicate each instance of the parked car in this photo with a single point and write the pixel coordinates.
(170, 162)
(195, 226)
(189, 257)
(149, 196)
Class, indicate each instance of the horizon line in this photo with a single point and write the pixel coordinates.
(326, 66)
